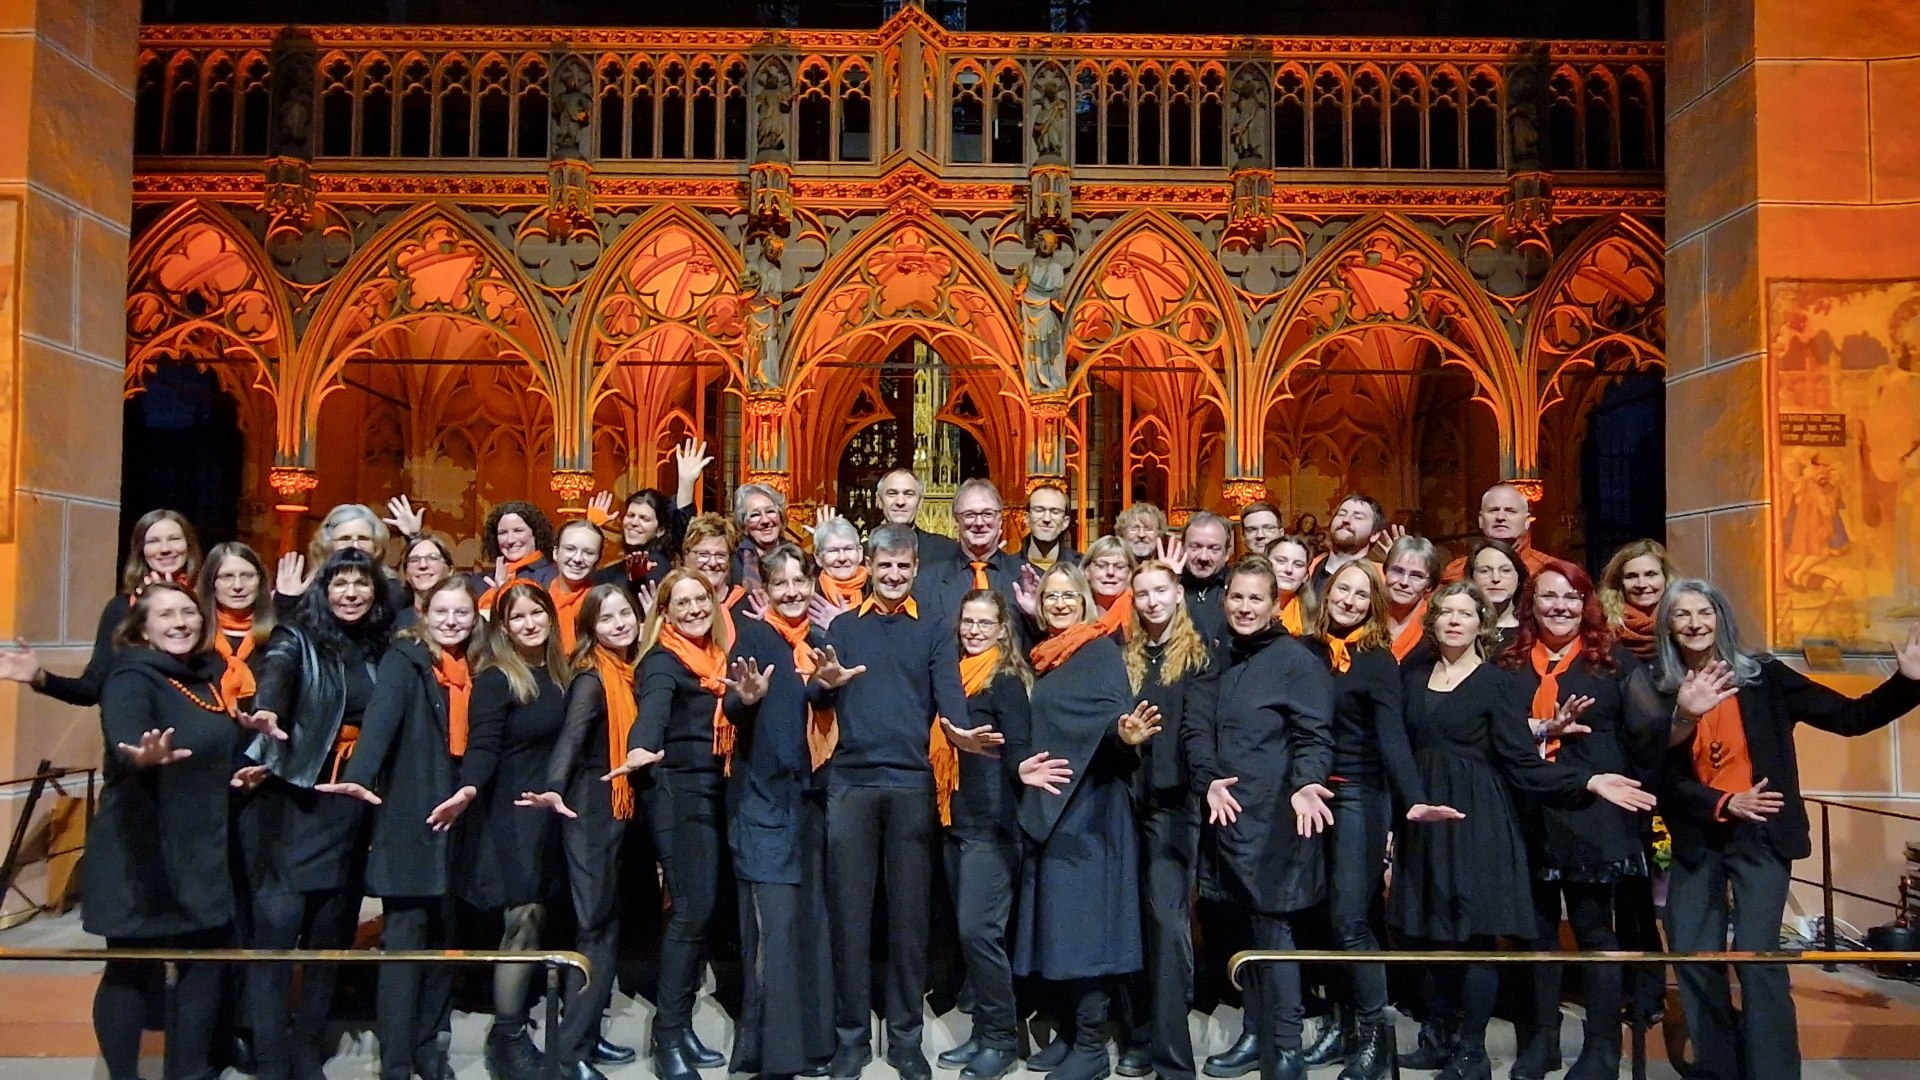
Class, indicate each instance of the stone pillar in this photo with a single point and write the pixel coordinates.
(66, 168)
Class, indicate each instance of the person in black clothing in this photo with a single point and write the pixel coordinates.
(156, 867)
(424, 563)
(1356, 521)
(1171, 667)
(1259, 526)
(1140, 528)
(1109, 570)
(163, 548)
(1206, 545)
(979, 563)
(898, 494)
(1731, 797)
(516, 542)
(1502, 576)
(584, 772)
(1565, 655)
(406, 764)
(760, 516)
(1077, 921)
(651, 523)
(315, 683)
(1462, 883)
(983, 838)
(1048, 519)
(1373, 770)
(887, 672)
(349, 525)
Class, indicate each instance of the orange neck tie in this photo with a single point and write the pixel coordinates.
(979, 574)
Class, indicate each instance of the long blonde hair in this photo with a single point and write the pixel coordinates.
(1186, 651)
(503, 653)
(663, 599)
(1613, 598)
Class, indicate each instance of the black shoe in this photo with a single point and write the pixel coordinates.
(1135, 1061)
(849, 1060)
(512, 1056)
(1084, 1063)
(1289, 1065)
(990, 1063)
(1537, 1053)
(698, 1054)
(1372, 1053)
(959, 1055)
(607, 1053)
(1599, 1058)
(910, 1062)
(1330, 1046)
(1044, 1061)
(670, 1060)
(1239, 1059)
(818, 1068)
(1468, 1063)
(583, 1070)
(1435, 1047)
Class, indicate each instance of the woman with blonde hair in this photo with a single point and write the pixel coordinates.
(1631, 586)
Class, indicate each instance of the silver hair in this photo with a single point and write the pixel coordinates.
(1420, 548)
(832, 527)
(893, 538)
(968, 487)
(1208, 517)
(741, 494)
(1669, 667)
(880, 485)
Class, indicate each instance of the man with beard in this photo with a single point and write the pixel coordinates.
(1047, 520)
(1504, 516)
(1140, 527)
(898, 494)
(1206, 543)
(1355, 523)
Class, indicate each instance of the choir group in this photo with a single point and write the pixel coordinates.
(1091, 759)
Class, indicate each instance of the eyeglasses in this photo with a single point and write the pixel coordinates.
(708, 558)
(1059, 597)
(979, 624)
(425, 560)
(972, 516)
(1110, 566)
(846, 549)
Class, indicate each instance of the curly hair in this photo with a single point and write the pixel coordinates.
(314, 616)
(535, 518)
(1596, 637)
(1487, 642)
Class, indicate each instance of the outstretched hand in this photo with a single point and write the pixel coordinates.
(749, 680)
(1222, 807)
(262, 721)
(156, 748)
(1623, 792)
(1173, 552)
(1141, 724)
(821, 611)
(548, 800)
(1427, 813)
(829, 672)
(19, 664)
(351, 790)
(637, 759)
(1046, 772)
(1703, 689)
(406, 519)
(1756, 803)
(974, 740)
(1311, 814)
(442, 817)
(1565, 720)
(290, 577)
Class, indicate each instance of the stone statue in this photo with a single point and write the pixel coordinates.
(771, 103)
(1247, 118)
(765, 281)
(572, 108)
(292, 97)
(1040, 283)
(1049, 114)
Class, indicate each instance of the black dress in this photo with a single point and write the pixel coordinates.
(510, 855)
(1454, 881)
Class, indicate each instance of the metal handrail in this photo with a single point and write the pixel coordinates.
(554, 960)
(1637, 1023)
(1828, 937)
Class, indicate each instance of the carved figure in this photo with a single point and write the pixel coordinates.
(771, 103)
(765, 282)
(1039, 282)
(572, 108)
(1049, 114)
(1247, 119)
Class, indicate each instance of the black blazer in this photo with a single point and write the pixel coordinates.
(403, 757)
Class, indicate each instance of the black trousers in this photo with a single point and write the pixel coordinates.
(592, 845)
(414, 998)
(771, 1038)
(312, 920)
(1160, 995)
(1465, 992)
(693, 855)
(1356, 864)
(816, 945)
(1590, 912)
(1277, 990)
(873, 831)
(983, 867)
(191, 1006)
(1761, 1042)
(1636, 921)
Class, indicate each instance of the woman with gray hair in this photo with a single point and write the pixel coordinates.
(1731, 798)
(760, 511)
(843, 568)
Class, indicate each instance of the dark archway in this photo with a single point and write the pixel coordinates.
(1623, 467)
(181, 447)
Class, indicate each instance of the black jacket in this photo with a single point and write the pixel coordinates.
(308, 692)
(1076, 708)
(771, 768)
(404, 758)
(987, 806)
(84, 689)
(1180, 761)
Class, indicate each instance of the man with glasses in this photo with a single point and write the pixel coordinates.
(1259, 527)
(898, 494)
(979, 563)
(1047, 521)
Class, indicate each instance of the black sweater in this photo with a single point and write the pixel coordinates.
(84, 689)
(403, 756)
(913, 675)
(1206, 603)
(988, 802)
(1370, 744)
(676, 715)
(1181, 758)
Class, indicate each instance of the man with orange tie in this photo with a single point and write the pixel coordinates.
(979, 563)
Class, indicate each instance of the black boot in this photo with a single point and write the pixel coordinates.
(1468, 1063)
(959, 1055)
(1239, 1059)
(583, 1070)
(670, 1057)
(1289, 1065)
(511, 1055)
(1331, 1045)
(1537, 1053)
(1599, 1057)
(610, 1053)
(1438, 1036)
(1370, 1054)
(1135, 1061)
(697, 1053)
(1088, 1058)
(1055, 1052)
(990, 1063)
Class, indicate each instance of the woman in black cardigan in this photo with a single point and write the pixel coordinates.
(156, 867)
(163, 548)
(315, 683)
(406, 762)
(1730, 795)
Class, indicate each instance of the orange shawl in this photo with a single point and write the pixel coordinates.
(567, 598)
(1117, 616)
(1293, 616)
(708, 662)
(1636, 632)
(616, 685)
(237, 681)
(513, 575)
(823, 724)
(1412, 632)
(1340, 648)
(941, 753)
(1546, 696)
(1054, 651)
(846, 593)
(451, 672)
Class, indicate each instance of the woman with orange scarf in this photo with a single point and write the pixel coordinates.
(576, 553)
(1411, 572)
(588, 784)
(516, 542)
(843, 568)
(406, 764)
(1292, 560)
(1109, 571)
(1078, 921)
(1630, 590)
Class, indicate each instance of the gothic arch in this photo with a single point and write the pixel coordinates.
(1607, 292)
(431, 271)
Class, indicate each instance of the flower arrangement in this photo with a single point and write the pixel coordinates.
(1662, 844)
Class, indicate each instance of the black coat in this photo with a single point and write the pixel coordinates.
(403, 757)
(1274, 731)
(1206, 604)
(308, 692)
(1370, 744)
(157, 848)
(509, 855)
(941, 587)
(1769, 709)
(1180, 761)
(84, 689)
(771, 767)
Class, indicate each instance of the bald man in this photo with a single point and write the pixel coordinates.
(1504, 516)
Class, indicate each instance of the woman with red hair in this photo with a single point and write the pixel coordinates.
(1575, 670)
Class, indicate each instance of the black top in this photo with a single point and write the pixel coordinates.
(676, 715)
(403, 756)
(580, 753)
(314, 696)
(771, 768)
(1065, 555)
(1369, 731)
(84, 689)
(157, 849)
(913, 674)
(934, 548)
(1207, 604)
(1180, 760)
(1769, 709)
(507, 856)
(988, 803)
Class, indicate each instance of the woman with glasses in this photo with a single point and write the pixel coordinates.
(1411, 572)
(760, 515)
(424, 564)
(651, 523)
(843, 568)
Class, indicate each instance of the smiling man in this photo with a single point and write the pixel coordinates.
(1206, 541)
(898, 494)
(1048, 516)
(1504, 516)
(1356, 521)
(979, 563)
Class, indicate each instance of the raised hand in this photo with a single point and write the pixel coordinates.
(824, 514)
(749, 680)
(756, 605)
(1222, 807)
(690, 459)
(19, 664)
(645, 595)
(351, 790)
(1169, 550)
(829, 672)
(1311, 814)
(1565, 719)
(1756, 803)
(248, 777)
(262, 721)
(550, 800)
(290, 577)
(600, 508)
(1046, 772)
(1623, 792)
(1701, 690)
(1026, 591)
(1427, 813)
(499, 576)
(821, 611)
(1382, 541)
(405, 518)
(1908, 654)
(443, 816)
(156, 748)
(976, 740)
(1141, 724)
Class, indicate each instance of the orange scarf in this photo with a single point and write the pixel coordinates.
(823, 724)
(450, 672)
(1117, 616)
(513, 575)
(846, 593)
(1636, 632)
(976, 670)
(237, 681)
(1293, 616)
(709, 664)
(941, 753)
(1720, 756)
(567, 598)
(1410, 634)
(1340, 649)
(1546, 696)
(1054, 651)
(616, 683)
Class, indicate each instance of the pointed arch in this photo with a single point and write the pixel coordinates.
(1606, 293)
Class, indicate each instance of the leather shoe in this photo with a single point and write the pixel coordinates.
(990, 1063)
(583, 1070)
(1048, 1059)
(959, 1055)
(849, 1060)
(670, 1061)
(610, 1053)
(1134, 1061)
(818, 1068)
(1289, 1065)
(1239, 1059)
(698, 1054)
(910, 1063)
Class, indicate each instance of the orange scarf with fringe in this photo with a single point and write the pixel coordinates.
(708, 663)
(237, 681)
(1546, 696)
(616, 684)
(451, 673)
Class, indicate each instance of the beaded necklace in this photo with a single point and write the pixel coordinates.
(217, 705)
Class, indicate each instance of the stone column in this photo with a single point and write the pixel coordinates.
(66, 167)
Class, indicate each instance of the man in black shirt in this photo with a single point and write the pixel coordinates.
(898, 494)
(979, 563)
(1047, 520)
(1206, 542)
(1357, 520)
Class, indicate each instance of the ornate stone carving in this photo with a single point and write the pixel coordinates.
(1247, 126)
(1241, 490)
(1040, 283)
(772, 101)
(570, 89)
(569, 197)
(770, 198)
(1047, 103)
(293, 483)
(1251, 220)
(572, 485)
(765, 282)
(1049, 199)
